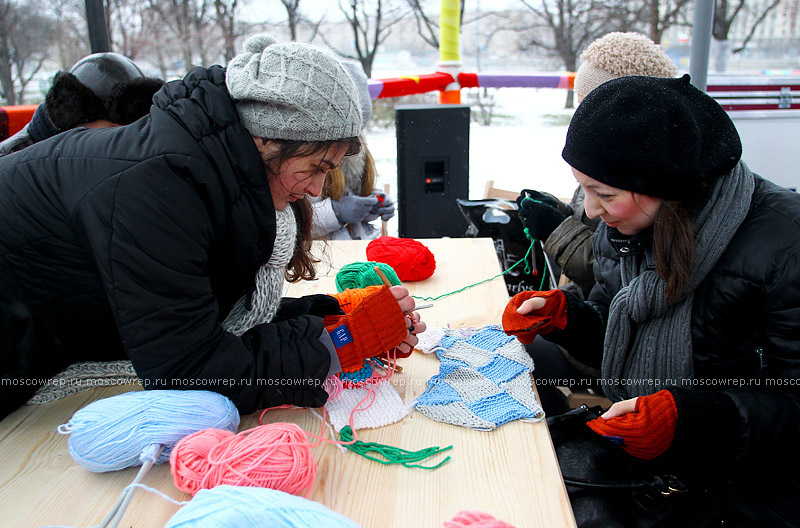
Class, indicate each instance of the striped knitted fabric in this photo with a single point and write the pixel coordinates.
(484, 381)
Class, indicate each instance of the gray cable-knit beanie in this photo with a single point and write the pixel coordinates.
(617, 55)
(293, 91)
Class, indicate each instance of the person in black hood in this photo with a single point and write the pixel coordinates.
(694, 321)
(100, 90)
(168, 241)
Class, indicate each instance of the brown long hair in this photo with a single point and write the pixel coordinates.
(334, 187)
(674, 247)
(301, 265)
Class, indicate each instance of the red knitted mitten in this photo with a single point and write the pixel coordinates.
(526, 327)
(646, 432)
(373, 327)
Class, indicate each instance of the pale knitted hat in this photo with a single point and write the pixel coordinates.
(361, 81)
(293, 91)
(620, 54)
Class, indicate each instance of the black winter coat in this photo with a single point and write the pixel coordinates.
(136, 241)
(743, 412)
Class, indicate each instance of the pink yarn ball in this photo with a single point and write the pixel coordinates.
(410, 259)
(275, 456)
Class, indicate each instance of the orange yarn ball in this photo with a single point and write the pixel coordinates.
(276, 456)
(352, 297)
(410, 259)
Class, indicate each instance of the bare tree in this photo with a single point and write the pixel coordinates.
(189, 22)
(293, 16)
(663, 14)
(725, 14)
(227, 19)
(370, 21)
(22, 48)
(563, 28)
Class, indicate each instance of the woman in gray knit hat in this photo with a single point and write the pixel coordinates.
(695, 318)
(168, 241)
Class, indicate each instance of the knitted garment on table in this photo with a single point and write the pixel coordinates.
(269, 288)
(79, 377)
(387, 407)
(366, 376)
(269, 280)
(484, 381)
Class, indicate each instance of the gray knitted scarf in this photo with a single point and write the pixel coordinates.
(269, 280)
(659, 352)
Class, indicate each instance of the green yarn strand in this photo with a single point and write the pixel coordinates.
(391, 454)
(520, 261)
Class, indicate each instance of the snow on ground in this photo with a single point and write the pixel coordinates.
(520, 150)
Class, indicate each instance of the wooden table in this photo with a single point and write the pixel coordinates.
(511, 472)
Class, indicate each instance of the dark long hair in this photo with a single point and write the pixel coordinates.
(301, 265)
(674, 247)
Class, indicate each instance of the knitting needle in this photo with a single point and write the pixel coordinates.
(389, 284)
(382, 276)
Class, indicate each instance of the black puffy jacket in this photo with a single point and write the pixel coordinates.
(743, 410)
(137, 241)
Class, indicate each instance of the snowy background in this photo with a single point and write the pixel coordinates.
(521, 149)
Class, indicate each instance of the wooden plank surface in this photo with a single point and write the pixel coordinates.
(511, 472)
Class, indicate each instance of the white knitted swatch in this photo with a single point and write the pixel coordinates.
(430, 339)
(269, 280)
(387, 408)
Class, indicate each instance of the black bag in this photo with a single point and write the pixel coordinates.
(499, 220)
(609, 488)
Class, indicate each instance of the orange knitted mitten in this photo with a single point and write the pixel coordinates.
(373, 327)
(646, 432)
(553, 315)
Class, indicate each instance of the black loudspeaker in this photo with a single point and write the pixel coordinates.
(432, 169)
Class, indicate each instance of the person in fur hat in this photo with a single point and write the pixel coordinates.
(100, 90)
(349, 202)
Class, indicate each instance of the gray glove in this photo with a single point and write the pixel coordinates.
(351, 209)
(384, 209)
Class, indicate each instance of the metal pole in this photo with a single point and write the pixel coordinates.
(98, 30)
(701, 42)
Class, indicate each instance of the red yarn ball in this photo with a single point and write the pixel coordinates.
(410, 259)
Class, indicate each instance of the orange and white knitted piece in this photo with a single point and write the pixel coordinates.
(387, 407)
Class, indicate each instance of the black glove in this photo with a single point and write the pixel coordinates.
(539, 213)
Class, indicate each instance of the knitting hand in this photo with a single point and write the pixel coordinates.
(530, 313)
(376, 325)
(539, 213)
(414, 322)
(352, 209)
(644, 427)
(384, 209)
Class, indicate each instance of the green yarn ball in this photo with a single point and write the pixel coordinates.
(362, 274)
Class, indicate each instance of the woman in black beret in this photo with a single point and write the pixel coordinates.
(695, 318)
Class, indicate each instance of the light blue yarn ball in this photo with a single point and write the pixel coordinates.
(245, 507)
(112, 433)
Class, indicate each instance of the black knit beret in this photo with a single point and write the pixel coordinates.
(656, 136)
